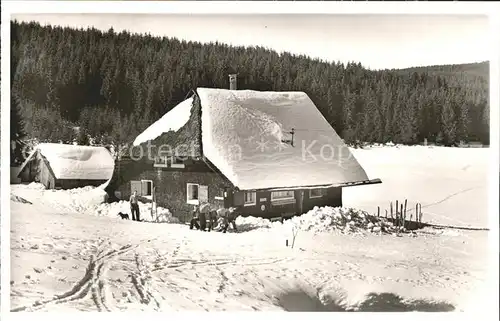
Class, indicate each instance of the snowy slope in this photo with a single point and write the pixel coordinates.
(102, 263)
(77, 162)
(171, 121)
(242, 134)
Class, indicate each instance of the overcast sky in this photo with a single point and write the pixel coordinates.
(377, 41)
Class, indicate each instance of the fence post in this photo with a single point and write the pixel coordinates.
(404, 217)
(401, 218)
(154, 215)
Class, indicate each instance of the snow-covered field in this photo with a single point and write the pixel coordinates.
(450, 183)
(71, 253)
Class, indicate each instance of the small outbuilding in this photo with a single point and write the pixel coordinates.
(62, 166)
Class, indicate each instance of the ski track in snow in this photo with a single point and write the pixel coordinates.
(93, 284)
(176, 271)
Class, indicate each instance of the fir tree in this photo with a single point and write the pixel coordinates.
(17, 133)
(449, 124)
(63, 71)
(83, 138)
(17, 130)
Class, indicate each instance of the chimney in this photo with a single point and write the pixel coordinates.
(232, 81)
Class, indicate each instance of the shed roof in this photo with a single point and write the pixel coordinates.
(76, 162)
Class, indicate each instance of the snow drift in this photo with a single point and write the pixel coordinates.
(86, 200)
(112, 209)
(79, 200)
(324, 219)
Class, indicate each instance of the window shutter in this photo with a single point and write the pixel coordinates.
(136, 186)
(239, 198)
(203, 193)
(146, 187)
(189, 192)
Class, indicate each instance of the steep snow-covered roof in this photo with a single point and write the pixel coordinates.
(242, 133)
(77, 162)
(171, 121)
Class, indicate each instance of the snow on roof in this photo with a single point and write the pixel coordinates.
(77, 162)
(171, 121)
(242, 133)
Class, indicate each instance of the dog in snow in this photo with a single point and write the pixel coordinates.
(124, 216)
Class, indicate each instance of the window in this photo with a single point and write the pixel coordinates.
(221, 196)
(316, 193)
(282, 195)
(176, 162)
(161, 161)
(147, 188)
(168, 161)
(144, 188)
(289, 138)
(250, 198)
(192, 194)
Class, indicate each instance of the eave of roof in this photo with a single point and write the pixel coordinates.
(348, 184)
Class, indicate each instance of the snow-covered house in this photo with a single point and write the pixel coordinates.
(67, 166)
(272, 153)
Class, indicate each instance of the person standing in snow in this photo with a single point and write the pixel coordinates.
(212, 220)
(194, 219)
(230, 218)
(221, 218)
(134, 207)
(204, 209)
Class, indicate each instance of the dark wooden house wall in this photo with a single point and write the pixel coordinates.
(171, 190)
(38, 170)
(76, 183)
(266, 208)
(170, 184)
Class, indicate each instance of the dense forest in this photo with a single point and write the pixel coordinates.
(70, 85)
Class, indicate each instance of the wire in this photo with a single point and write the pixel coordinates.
(311, 130)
